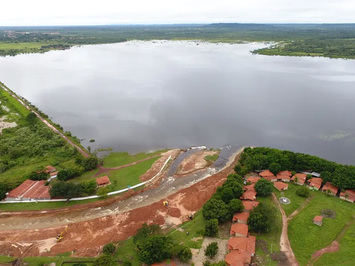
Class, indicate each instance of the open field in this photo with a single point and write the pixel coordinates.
(306, 237)
(116, 159)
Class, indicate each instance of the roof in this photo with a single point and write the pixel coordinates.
(301, 177)
(266, 173)
(164, 263)
(329, 186)
(315, 182)
(285, 173)
(350, 194)
(246, 244)
(270, 178)
(280, 185)
(30, 190)
(238, 258)
(103, 180)
(249, 187)
(249, 205)
(283, 177)
(253, 179)
(241, 229)
(243, 216)
(318, 218)
(49, 169)
(249, 195)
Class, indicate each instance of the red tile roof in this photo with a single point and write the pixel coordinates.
(285, 173)
(350, 195)
(49, 169)
(241, 229)
(301, 178)
(31, 190)
(253, 179)
(238, 258)
(318, 218)
(21, 189)
(164, 263)
(315, 182)
(280, 186)
(246, 244)
(329, 186)
(249, 187)
(103, 180)
(243, 216)
(249, 205)
(270, 178)
(266, 173)
(249, 195)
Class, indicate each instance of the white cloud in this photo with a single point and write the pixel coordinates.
(80, 12)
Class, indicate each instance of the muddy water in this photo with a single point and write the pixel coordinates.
(140, 96)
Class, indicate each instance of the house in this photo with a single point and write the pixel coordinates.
(284, 176)
(29, 190)
(249, 205)
(249, 187)
(280, 186)
(315, 183)
(239, 230)
(103, 181)
(318, 220)
(268, 175)
(329, 187)
(253, 179)
(348, 195)
(246, 244)
(241, 217)
(249, 195)
(299, 179)
(50, 169)
(237, 258)
(271, 178)
(165, 263)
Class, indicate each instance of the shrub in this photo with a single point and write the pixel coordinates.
(211, 250)
(275, 168)
(109, 248)
(211, 227)
(215, 208)
(262, 218)
(184, 254)
(303, 192)
(104, 260)
(235, 205)
(263, 187)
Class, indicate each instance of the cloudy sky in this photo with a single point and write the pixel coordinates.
(101, 12)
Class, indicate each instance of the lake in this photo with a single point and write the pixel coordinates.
(140, 96)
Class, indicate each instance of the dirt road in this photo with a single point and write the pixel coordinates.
(90, 229)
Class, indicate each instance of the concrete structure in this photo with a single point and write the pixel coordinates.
(280, 186)
(318, 220)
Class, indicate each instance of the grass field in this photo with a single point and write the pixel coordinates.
(306, 237)
(116, 159)
(290, 193)
(39, 261)
(346, 253)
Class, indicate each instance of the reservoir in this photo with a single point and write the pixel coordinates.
(140, 96)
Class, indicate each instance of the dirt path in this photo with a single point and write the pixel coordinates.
(334, 246)
(300, 208)
(285, 245)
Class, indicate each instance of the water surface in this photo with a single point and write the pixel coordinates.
(139, 96)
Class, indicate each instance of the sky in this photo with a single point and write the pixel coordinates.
(107, 12)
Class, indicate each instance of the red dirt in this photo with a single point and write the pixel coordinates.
(333, 247)
(86, 238)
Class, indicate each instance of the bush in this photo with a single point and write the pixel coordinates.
(185, 254)
(64, 175)
(275, 168)
(211, 227)
(263, 187)
(262, 218)
(303, 192)
(109, 249)
(102, 192)
(215, 208)
(211, 250)
(104, 260)
(65, 190)
(3, 190)
(235, 205)
(155, 249)
(36, 176)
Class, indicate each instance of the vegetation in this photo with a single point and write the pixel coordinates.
(116, 159)
(303, 192)
(65, 190)
(262, 218)
(109, 249)
(211, 158)
(291, 194)
(211, 250)
(211, 227)
(263, 187)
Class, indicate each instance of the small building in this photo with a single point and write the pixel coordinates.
(315, 183)
(348, 195)
(103, 181)
(249, 195)
(299, 179)
(241, 217)
(280, 186)
(29, 190)
(249, 187)
(239, 230)
(237, 258)
(329, 187)
(253, 179)
(318, 220)
(249, 205)
(246, 244)
(266, 173)
(50, 169)
(284, 176)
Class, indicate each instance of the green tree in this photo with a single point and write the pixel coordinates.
(3, 190)
(263, 187)
(262, 218)
(226, 194)
(211, 227)
(257, 222)
(102, 192)
(89, 187)
(144, 232)
(65, 190)
(326, 176)
(275, 168)
(302, 192)
(64, 175)
(31, 118)
(216, 209)
(109, 249)
(211, 250)
(155, 249)
(184, 254)
(104, 260)
(235, 205)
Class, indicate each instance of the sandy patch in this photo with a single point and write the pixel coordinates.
(4, 124)
(194, 162)
(198, 256)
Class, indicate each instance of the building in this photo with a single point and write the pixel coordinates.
(249, 195)
(284, 176)
(253, 179)
(348, 195)
(249, 187)
(246, 244)
(280, 186)
(29, 190)
(103, 181)
(268, 175)
(318, 220)
(315, 183)
(237, 258)
(249, 205)
(239, 230)
(50, 169)
(299, 179)
(241, 217)
(329, 187)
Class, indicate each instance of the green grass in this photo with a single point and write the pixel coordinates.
(290, 193)
(346, 253)
(195, 228)
(5, 259)
(21, 45)
(129, 176)
(34, 261)
(211, 158)
(116, 159)
(306, 237)
(126, 251)
(12, 103)
(272, 237)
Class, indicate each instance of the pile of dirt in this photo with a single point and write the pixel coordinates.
(328, 213)
(194, 162)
